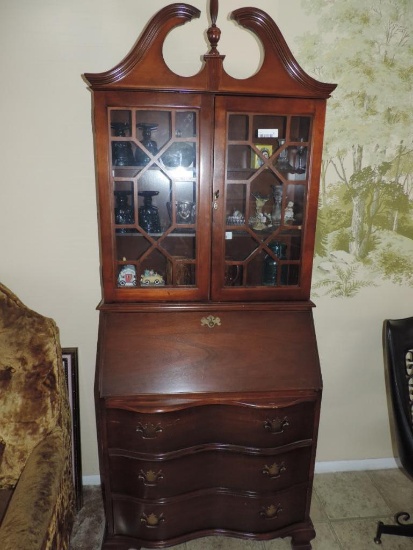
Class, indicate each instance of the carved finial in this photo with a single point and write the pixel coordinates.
(213, 8)
(213, 33)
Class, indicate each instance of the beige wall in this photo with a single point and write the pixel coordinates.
(48, 226)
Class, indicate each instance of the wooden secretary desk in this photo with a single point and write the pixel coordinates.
(208, 382)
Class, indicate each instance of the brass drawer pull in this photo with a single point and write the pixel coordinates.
(152, 520)
(275, 470)
(149, 430)
(210, 321)
(271, 512)
(277, 425)
(150, 478)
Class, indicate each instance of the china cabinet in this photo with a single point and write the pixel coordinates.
(208, 383)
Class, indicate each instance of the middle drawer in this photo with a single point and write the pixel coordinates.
(206, 469)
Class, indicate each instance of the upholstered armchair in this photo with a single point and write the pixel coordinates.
(36, 489)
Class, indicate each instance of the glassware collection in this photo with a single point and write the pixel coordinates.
(155, 180)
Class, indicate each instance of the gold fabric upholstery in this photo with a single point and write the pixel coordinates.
(35, 446)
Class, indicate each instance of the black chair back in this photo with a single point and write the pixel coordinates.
(398, 360)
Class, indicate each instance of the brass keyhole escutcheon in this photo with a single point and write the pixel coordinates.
(210, 321)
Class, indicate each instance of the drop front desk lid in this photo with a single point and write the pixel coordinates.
(178, 352)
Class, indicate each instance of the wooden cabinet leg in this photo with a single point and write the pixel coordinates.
(301, 539)
(115, 545)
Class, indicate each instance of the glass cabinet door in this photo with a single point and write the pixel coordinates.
(261, 211)
(154, 160)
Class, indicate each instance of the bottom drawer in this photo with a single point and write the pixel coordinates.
(150, 521)
(206, 469)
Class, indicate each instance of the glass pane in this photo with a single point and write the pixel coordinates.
(180, 272)
(291, 161)
(130, 247)
(124, 211)
(233, 274)
(255, 270)
(120, 130)
(292, 240)
(300, 128)
(238, 127)
(179, 154)
(294, 205)
(269, 128)
(154, 131)
(185, 124)
(153, 270)
(239, 245)
(290, 275)
(239, 158)
(180, 245)
(265, 203)
(182, 210)
(266, 186)
(155, 182)
(236, 204)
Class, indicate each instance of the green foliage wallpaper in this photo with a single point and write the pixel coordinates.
(365, 224)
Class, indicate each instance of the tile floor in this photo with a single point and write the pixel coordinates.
(345, 510)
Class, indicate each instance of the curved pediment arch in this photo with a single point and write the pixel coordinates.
(144, 67)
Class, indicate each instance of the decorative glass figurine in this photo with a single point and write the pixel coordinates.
(289, 213)
(142, 159)
(301, 153)
(277, 192)
(271, 265)
(260, 221)
(148, 213)
(122, 154)
(283, 163)
(185, 212)
(179, 154)
(283, 156)
(123, 211)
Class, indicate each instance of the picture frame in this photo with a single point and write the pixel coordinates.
(71, 370)
(266, 150)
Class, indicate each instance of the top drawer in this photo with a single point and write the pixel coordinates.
(246, 426)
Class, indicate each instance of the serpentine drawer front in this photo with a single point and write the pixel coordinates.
(198, 468)
(215, 509)
(220, 424)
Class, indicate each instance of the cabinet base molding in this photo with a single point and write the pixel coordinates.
(301, 536)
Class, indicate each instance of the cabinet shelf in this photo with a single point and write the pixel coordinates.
(138, 235)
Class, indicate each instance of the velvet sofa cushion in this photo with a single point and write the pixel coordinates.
(35, 431)
(5, 496)
(30, 402)
(37, 494)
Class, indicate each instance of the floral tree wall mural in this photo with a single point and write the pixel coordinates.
(365, 227)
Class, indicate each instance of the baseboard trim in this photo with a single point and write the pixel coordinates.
(355, 465)
(91, 480)
(320, 467)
